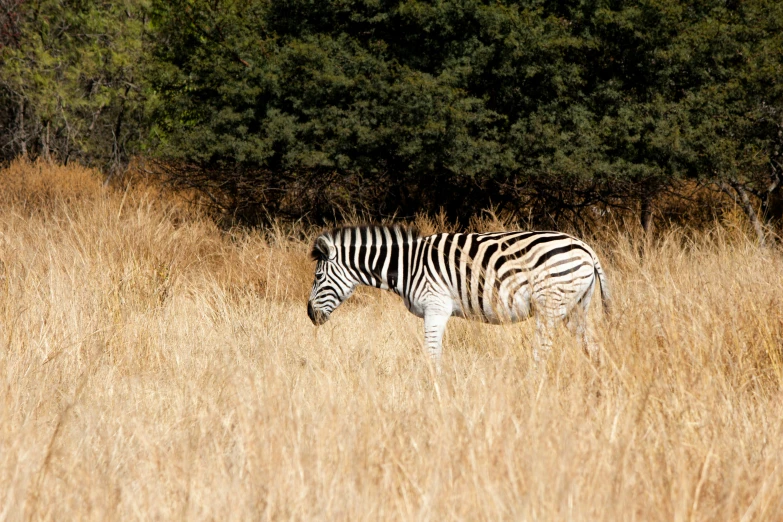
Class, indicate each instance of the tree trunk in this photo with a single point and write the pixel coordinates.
(116, 148)
(750, 211)
(771, 209)
(21, 135)
(646, 216)
(45, 144)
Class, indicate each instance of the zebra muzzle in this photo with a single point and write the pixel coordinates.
(316, 316)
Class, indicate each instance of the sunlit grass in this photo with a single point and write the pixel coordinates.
(155, 367)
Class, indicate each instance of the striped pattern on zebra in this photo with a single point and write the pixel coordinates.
(496, 277)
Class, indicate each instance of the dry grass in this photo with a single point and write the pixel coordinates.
(156, 368)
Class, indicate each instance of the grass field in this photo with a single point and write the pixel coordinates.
(156, 368)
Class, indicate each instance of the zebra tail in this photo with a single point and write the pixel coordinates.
(606, 294)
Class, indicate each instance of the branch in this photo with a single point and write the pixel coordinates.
(747, 206)
(724, 187)
(776, 176)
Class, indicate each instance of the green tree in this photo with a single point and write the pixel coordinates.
(72, 81)
(528, 105)
(735, 103)
(294, 108)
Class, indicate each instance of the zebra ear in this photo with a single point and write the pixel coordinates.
(323, 249)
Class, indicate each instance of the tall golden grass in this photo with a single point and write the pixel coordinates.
(156, 367)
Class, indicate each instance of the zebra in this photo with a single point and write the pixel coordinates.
(497, 277)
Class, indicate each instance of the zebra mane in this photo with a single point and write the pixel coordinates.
(336, 235)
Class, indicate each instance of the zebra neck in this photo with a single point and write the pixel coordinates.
(381, 266)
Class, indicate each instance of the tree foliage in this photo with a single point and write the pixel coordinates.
(71, 81)
(415, 106)
(313, 108)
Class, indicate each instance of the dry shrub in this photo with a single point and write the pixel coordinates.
(40, 185)
(158, 367)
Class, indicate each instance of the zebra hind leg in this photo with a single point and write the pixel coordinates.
(545, 325)
(578, 323)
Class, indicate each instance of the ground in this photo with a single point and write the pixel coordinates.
(156, 367)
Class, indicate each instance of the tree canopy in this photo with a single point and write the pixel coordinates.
(304, 107)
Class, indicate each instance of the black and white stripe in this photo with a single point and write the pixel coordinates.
(497, 277)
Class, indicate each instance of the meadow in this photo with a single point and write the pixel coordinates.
(157, 367)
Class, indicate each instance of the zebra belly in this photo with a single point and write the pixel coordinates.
(414, 307)
(508, 310)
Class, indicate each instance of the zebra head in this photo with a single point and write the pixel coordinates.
(333, 284)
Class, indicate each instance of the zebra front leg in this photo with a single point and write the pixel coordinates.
(434, 326)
